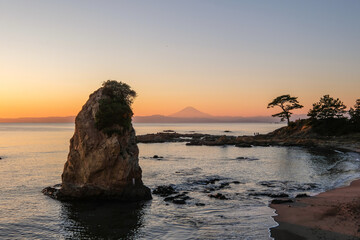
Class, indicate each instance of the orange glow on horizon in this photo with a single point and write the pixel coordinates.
(43, 99)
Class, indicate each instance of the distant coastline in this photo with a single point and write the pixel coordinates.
(186, 115)
(149, 119)
(68, 119)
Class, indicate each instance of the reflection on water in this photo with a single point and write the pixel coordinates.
(101, 220)
(34, 157)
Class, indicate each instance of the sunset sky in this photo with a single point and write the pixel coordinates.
(221, 57)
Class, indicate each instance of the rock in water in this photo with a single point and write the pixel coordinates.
(103, 160)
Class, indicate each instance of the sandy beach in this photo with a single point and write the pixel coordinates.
(334, 214)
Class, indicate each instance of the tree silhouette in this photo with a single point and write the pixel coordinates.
(327, 108)
(355, 113)
(286, 103)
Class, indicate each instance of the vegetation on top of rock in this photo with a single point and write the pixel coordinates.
(327, 117)
(286, 103)
(332, 126)
(327, 108)
(115, 111)
(355, 114)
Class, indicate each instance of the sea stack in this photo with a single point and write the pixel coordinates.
(103, 160)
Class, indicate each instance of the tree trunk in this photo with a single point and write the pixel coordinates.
(288, 120)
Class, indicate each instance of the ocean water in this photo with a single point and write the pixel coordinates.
(33, 156)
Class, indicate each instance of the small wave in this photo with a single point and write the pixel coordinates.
(51, 152)
(186, 172)
(343, 166)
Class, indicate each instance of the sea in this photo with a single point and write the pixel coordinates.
(33, 156)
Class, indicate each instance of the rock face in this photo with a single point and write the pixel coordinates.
(100, 165)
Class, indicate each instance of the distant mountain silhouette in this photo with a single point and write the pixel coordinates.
(166, 119)
(190, 112)
(192, 115)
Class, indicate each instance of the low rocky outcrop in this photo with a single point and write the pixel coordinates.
(298, 134)
(169, 136)
(302, 195)
(103, 159)
(171, 195)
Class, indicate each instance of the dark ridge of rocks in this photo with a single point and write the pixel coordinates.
(178, 199)
(200, 204)
(207, 185)
(280, 201)
(162, 137)
(269, 194)
(227, 131)
(302, 195)
(216, 187)
(51, 192)
(218, 196)
(164, 191)
(157, 157)
(169, 131)
(289, 185)
(270, 184)
(171, 195)
(223, 185)
(127, 194)
(296, 135)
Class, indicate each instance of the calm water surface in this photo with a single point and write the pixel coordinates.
(33, 156)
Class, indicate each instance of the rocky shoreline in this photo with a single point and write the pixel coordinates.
(329, 215)
(276, 138)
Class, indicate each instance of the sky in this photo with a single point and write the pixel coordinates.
(221, 57)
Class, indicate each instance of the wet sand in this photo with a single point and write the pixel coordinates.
(330, 215)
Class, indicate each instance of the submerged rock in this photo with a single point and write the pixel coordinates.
(178, 199)
(302, 195)
(164, 191)
(103, 160)
(218, 196)
(199, 204)
(171, 195)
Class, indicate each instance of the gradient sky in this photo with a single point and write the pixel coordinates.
(222, 57)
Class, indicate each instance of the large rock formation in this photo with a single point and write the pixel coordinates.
(101, 164)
